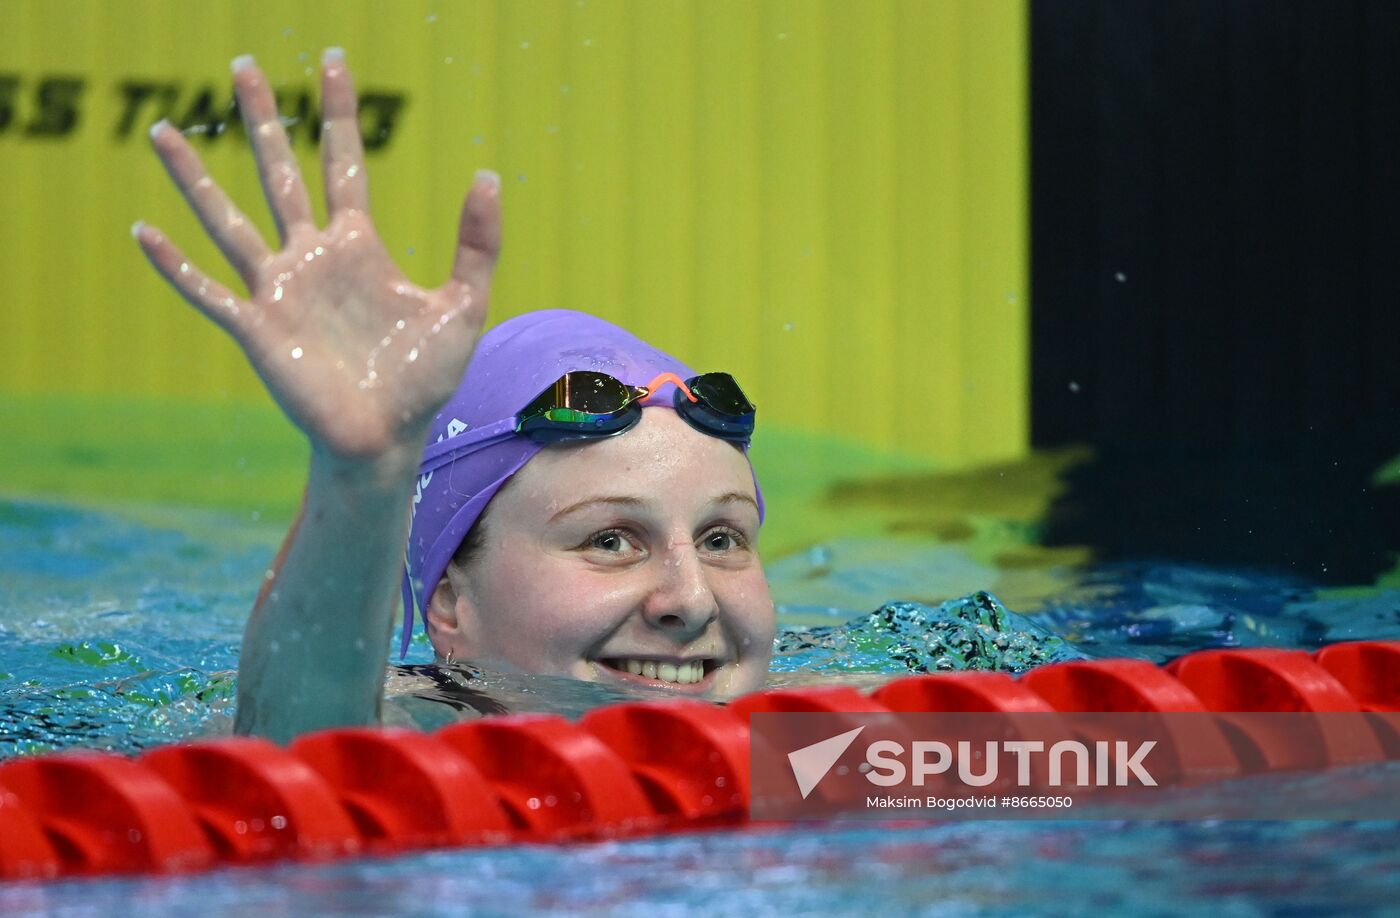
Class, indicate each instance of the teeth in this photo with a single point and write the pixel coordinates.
(679, 673)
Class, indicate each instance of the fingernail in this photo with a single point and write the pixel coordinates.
(489, 177)
(136, 229)
(242, 62)
(333, 56)
(156, 128)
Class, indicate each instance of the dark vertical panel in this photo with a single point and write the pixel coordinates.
(1215, 204)
(1127, 397)
(1331, 221)
(1192, 147)
(1262, 219)
(1064, 219)
(1215, 213)
(1381, 122)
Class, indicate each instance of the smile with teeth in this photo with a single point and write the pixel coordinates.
(686, 673)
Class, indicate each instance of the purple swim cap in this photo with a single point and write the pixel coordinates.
(472, 446)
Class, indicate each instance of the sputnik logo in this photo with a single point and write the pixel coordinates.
(811, 763)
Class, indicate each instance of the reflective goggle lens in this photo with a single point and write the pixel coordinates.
(719, 409)
(583, 391)
(721, 393)
(583, 403)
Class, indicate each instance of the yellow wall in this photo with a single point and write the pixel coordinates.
(826, 198)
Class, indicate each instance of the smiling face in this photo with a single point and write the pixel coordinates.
(630, 559)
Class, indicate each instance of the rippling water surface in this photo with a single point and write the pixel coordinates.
(122, 631)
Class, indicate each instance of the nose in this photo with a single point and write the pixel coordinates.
(682, 603)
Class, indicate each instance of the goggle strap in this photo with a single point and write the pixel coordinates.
(410, 612)
(445, 450)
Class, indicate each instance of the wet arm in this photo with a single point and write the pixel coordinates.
(316, 643)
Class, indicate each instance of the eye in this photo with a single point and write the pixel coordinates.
(723, 539)
(608, 541)
(613, 543)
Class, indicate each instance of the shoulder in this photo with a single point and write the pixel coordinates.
(429, 696)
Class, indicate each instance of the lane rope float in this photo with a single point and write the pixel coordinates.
(638, 768)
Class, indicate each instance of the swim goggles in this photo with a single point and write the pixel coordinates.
(584, 403)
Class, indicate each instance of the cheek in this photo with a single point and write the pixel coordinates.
(550, 608)
(749, 604)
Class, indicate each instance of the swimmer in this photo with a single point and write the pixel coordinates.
(553, 497)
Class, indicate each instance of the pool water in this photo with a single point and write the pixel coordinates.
(121, 631)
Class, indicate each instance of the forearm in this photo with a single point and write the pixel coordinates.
(315, 647)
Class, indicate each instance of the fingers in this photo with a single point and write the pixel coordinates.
(342, 154)
(231, 231)
(209, 297)
(479, 233)
(277, 168)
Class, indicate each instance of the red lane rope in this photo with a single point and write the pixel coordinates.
(623, 770)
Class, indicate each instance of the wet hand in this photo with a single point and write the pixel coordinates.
(358, 356)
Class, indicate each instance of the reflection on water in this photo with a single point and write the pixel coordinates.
(980, 868)
(123, 635)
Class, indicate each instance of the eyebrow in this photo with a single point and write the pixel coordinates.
(736, 497)
(636, 503)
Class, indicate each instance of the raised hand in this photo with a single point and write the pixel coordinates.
(358, 356)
